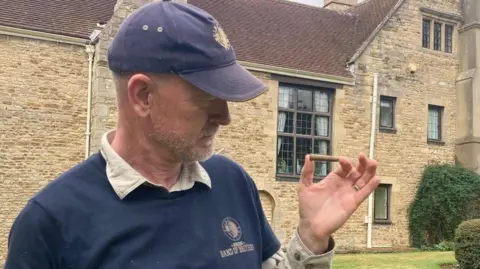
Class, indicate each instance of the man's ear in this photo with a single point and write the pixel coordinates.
(140, 89)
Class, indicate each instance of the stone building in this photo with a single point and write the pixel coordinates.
(395, 79)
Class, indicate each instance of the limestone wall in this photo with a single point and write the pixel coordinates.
(43, 102)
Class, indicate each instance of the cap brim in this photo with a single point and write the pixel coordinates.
(231, 83)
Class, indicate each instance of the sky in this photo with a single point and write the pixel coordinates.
(310, 2)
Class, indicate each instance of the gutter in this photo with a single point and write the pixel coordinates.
(370, 155)
(297, 73)
(12, 31)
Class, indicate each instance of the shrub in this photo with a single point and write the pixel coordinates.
(473, 210)
(444, 196)
(467, 244)
(442, 246)
(445, 246)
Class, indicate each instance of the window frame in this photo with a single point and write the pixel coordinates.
(437, 36)
(393, 100)
(440, 110)
(293, 177)
(387, 220)
(426, 45)
(446, 41)
(443, 38)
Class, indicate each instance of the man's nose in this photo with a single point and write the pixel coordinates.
(219, 112)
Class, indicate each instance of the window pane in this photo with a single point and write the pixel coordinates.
(304, 124)
(304, 112)
(304, 147)
(386, 113)
(437, 38)
(285, 155)
(304, 100)
(285, 122)
(321, 147)
(285, 97)
(433, 124)
(426, 34)
(321, 102)
(381, 203)
(321, 126)
(448, 38)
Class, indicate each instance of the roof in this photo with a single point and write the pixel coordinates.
(297, 36)
(76, 18)
(278, 33)
(285, 34)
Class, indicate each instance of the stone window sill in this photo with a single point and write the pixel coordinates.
(387, 130)
(382, 222)
(436, 142)
(440, 52)
(287, 178)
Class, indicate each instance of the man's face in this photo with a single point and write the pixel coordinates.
(183, 119)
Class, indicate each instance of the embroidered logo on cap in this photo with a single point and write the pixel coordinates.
(221, 37)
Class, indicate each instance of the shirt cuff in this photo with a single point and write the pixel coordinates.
(301, 257)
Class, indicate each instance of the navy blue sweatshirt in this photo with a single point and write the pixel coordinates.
(77, 221)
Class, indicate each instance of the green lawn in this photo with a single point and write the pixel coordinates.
(408, 260)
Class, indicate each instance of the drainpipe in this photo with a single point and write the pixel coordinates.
(90, 49)
(370, 155)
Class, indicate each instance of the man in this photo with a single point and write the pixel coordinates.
(155, 196)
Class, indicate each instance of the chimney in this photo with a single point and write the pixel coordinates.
(339, 5)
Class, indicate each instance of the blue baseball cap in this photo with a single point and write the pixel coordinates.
(178, 38)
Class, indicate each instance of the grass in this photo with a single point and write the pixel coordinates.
(406, 260)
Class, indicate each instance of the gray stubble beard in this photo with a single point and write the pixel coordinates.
(185, 151)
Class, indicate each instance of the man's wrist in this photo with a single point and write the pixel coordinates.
(316, 245)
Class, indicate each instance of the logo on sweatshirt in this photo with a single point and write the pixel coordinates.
(232, 229)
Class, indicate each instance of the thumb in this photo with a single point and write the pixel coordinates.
(306, 177)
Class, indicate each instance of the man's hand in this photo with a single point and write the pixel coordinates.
(326, 206)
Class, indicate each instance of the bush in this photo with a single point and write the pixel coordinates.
(444, 196)
(445, 246)
(473, 210)
(442, 246)
(467, 244)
